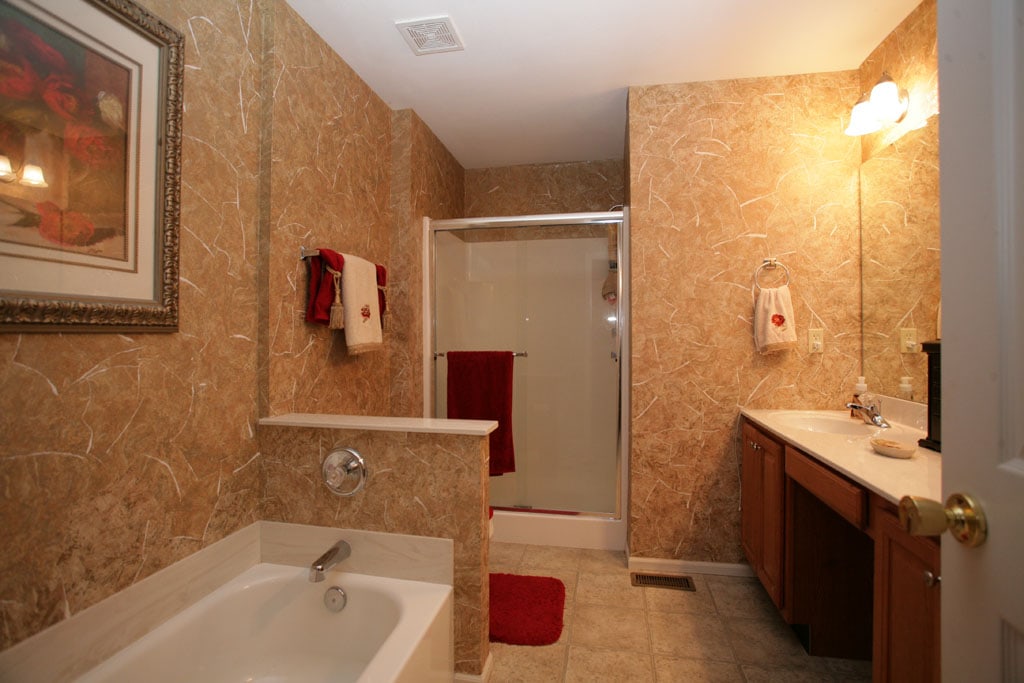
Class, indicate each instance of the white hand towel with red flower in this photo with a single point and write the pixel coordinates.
(362, 307)
(774, 326)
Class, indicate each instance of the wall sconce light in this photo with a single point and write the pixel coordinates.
(31, 174)
(863, 119)
(888, 103)
(7, 173)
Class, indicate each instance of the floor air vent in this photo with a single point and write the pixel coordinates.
(679, 583)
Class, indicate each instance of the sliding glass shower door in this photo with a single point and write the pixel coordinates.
(549, 293)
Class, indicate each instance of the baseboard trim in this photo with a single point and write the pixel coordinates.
(661, 566)
(483, 677)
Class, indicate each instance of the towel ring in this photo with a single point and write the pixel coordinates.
(770, 264)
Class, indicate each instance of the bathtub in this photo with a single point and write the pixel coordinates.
(269, 624)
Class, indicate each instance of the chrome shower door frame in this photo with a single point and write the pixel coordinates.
(621, 218)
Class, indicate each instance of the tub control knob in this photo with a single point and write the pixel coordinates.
(341, 465)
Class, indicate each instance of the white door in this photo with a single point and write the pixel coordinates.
(981, 70)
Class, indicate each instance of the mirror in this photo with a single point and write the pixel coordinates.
(900, 254)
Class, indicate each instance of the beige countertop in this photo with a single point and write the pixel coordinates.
(852, 455)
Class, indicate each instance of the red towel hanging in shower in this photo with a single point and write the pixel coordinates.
(480, 388)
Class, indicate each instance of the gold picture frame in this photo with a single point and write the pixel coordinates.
(90, 167)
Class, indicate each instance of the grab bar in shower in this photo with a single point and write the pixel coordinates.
(517, 354)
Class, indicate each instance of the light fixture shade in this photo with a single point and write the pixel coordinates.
(863, 119)
(889, 102)
(6, 172)
(32, 176)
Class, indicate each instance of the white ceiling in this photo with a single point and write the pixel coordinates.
(545, 80)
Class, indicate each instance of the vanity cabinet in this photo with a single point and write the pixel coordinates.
(832, 555)
(829, 559)
(907, 598)
(763, 509)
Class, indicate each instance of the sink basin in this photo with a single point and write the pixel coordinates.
(824, 422)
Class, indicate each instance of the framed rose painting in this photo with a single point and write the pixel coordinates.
(90, 138)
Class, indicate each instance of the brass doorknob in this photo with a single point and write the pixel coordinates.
(961, 516)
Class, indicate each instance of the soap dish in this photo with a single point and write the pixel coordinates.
(893, 448)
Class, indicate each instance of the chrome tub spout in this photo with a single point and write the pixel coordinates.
(335, 554)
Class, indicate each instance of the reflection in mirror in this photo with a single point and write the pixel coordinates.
(900, 260)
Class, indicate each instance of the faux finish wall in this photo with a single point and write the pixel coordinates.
(723, 175)
(427, 181)
(900, 209)
(330, 186)
(545, 188)
(120, 454)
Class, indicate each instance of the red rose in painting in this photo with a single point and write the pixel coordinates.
(89, 145)
(63, 227)
(365, 312)
(17, 81)
(58, 96)
(778, 320)
(21, 40)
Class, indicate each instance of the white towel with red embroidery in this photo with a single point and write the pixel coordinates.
(774, 326)
(362, 307)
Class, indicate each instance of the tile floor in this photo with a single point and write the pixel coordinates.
(728, 630)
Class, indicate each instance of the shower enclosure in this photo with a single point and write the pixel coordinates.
(550, 289)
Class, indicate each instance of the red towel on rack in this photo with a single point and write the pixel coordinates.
(382, 283)
(480, 388)
(321, 285)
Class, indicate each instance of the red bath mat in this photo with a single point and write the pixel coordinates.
(526, 610)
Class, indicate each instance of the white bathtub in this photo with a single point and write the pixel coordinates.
(269, 624)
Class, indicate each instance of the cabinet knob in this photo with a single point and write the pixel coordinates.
(930, 579)
(961, 515)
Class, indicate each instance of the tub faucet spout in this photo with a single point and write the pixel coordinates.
(335, 554)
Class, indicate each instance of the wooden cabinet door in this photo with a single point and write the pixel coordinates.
(763, 508)
(907, 598)
(751, 496)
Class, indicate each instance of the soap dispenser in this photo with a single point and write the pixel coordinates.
(859, 389)
(907, 388)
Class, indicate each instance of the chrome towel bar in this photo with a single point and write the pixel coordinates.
(517, 354)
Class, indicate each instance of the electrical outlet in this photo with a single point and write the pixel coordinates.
(816, 340)
(908, 340)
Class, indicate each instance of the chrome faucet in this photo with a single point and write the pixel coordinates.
(871, 414)
(335, 554)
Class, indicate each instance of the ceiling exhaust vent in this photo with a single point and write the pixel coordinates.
(427, 36)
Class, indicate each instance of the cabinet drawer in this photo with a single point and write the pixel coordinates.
(848, 499)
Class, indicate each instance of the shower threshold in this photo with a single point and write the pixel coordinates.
(568, 529)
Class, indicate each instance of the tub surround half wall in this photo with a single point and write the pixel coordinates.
(420, 482)
(80, 643)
